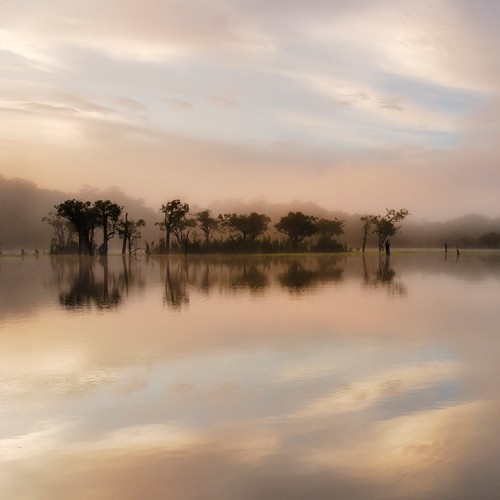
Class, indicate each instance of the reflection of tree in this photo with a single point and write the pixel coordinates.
(384, 275)
(249, 276)
(86, 287)
(296, 277)
(176, 284)
(130, 276)
(300, 276)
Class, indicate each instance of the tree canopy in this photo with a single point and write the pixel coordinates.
(297, 227)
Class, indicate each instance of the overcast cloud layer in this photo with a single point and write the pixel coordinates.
(356, 105)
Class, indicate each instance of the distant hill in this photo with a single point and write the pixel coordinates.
(23, 204)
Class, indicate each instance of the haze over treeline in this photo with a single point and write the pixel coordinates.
(23, 205)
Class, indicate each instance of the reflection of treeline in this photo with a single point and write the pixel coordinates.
(87, 282)
(105, 282)
(75, 223)
(231, 275)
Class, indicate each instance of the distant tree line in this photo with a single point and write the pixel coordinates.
(75, 223)
(490, 240)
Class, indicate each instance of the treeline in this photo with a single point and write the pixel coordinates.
(490, 240)
(75, 224)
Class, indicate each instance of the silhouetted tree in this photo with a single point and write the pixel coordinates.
(207, 223)
(297, 227)
(107, 214)
(250, 226)
(173, 213)
(182, 230)
(63, 233)
(367, 223)
(385, 225)
(82, 216)
(129, 230)
(327, 229)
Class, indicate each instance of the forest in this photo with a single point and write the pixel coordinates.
(23, 205)
(76, 223)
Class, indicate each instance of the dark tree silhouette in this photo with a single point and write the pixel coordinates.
(63, 233)
(82, 216)
(207, 223)
(107, 214)
(367, 223)
(327, 229)
(129, 230)
(173, 213)
(385, 225)
(297, 227)
(250, 226)
(182, 230)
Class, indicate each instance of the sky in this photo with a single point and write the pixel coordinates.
(358, 106)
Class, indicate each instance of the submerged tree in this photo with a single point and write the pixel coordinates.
(107, 215)
(173, 214)
(385, 225)
(297, 227)
(129, 230)
(82, 216)
(64, 232)
(367, 223)
(182, 230)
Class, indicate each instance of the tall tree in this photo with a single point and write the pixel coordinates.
(82, 216)
(385, 225)
(173, 213)
(207, 223)
(367, 222)
(182, 230)
(107, 214)
(297, 227)
(129, 230)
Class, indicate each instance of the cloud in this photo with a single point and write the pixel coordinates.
(179, 104)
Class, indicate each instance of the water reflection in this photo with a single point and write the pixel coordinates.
(176, 284)
(91, 286)
(250, 391)
(302, 275)
(84, 282)
(384, 276)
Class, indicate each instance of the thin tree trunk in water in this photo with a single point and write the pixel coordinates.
(125, 234)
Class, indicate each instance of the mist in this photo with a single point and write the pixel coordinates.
(23, 205)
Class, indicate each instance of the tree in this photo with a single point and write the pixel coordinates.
(107, 214)
(367, 223)
(181, 232)
(173, 213)
(207, 223)
(82, 216)
(385, 225)
(297, 227)
(250, 226)
(327, 229)
(63, 233)
(129, 230)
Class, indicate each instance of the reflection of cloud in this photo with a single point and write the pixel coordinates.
(358, 396)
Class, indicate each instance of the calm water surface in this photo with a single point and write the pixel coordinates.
(250, 378)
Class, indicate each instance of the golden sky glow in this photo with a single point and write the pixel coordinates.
(232, 98)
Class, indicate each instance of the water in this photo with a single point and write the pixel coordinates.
(250, 377)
